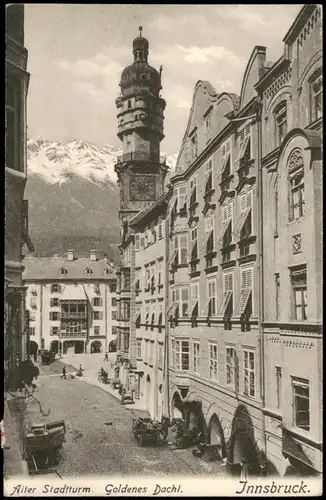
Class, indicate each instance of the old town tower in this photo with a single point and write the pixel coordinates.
(140, 168)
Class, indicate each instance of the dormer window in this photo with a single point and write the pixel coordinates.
(88, 271)
(63, 271)
(108, 271)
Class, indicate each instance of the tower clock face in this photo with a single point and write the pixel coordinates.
(142, 187)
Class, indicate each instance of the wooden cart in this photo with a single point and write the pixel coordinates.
(42, 443)
(47, 357)
(146, 430)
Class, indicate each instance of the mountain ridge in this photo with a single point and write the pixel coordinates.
(73, 197)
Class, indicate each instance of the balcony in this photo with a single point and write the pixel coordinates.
(73, 315)
(142, 157)
(65, 335)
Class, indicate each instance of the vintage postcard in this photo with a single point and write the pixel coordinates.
(163, 250)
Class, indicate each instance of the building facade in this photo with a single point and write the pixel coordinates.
(224, 268)
(141, 172)
(17, 242)
(291, 96)
(71, 303)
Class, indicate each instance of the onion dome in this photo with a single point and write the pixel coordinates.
(140, 73)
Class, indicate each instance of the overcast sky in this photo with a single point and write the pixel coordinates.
(76, 54)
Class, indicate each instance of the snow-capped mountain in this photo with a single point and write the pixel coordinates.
(73, 196)
(56, 162)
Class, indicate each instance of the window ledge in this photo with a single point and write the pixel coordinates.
(273, 413)
(194, 274)
(294, 221)
(180, 266)
(229, 263)
(247, 258)
(211, 270)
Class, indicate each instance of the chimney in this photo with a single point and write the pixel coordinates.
(92, 256)
(55, 255)
(105, 257)
(70, 255)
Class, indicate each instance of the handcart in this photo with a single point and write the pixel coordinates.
(42, 443)
(146, 430)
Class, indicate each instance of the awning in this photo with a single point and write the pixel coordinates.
(243, 148)
(242, 218)
(223, 229)
(74, 293)
(223, 164)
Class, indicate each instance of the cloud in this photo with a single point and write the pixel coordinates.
(247, 16)
(179, 95)
(203, 55)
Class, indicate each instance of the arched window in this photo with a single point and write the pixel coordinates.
(316, 95)
(280, 114)
(296, 185)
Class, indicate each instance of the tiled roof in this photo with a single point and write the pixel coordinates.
(48, 268)
(74, 293)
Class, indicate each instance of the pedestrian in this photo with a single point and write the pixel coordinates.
(64, 373)
(106, 357)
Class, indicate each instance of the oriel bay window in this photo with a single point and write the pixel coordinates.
(182, 354)
(280, 123)
(296, 185)
(299, 293)
(301, 403)
(244, 304)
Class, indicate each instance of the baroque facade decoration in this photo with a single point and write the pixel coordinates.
(217, 298)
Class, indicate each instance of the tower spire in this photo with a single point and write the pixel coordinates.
(140, 30)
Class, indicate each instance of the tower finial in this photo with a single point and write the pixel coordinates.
(140, 30)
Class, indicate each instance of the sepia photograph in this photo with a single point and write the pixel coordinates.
(163, 250)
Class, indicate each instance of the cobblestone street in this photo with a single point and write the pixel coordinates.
(94, 448)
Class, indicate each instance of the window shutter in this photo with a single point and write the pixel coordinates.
(243, 202)
(246, 279)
